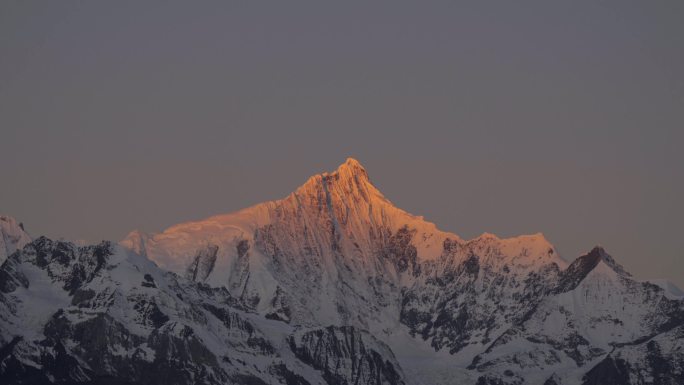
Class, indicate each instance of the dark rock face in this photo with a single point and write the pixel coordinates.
(202, 264)
(609, 372)
(578, 270)
(241, 265)
(582, 266)
(281, 307)
(553, 380)
(487, 380)
(400, 251)
(288, 376)
(167, 355)
(346, 356)
(74, 266)
(10, 277)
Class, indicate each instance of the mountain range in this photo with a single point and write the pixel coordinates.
(332, 284)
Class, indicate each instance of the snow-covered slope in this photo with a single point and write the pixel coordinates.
(102, 315)
(12, 237)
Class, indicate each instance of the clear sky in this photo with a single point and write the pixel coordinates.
(565, 118)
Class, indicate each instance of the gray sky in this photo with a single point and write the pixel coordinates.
(507, 117)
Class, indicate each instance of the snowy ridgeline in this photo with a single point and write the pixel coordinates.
(331, 285)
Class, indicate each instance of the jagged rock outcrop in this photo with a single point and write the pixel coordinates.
(347, 356)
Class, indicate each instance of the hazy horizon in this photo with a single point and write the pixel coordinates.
(564, 119)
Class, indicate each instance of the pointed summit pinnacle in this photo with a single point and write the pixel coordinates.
(352, 163)
(349, 179)
(353, 169)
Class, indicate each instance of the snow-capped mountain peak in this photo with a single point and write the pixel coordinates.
(332, 284)
(349, 184)
(352, 168)
(336, 227)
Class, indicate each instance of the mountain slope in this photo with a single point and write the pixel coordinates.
(99, 314)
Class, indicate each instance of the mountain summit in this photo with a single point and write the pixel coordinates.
(352, 168)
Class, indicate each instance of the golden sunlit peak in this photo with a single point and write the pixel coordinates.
(351, 168)
(351, 164)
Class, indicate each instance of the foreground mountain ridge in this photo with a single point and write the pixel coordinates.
(338, 286)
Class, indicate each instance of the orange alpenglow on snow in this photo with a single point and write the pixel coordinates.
(334, 225)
